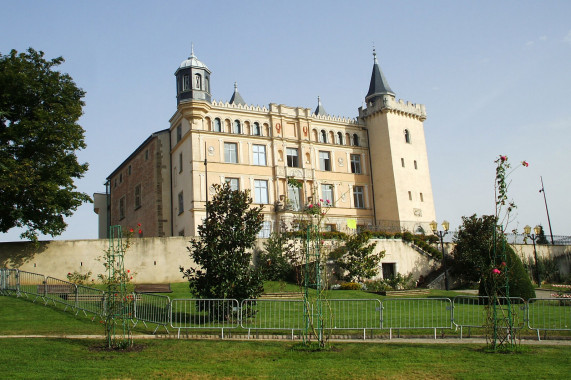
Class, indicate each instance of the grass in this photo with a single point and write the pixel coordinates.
(184, 359)
(21, 317)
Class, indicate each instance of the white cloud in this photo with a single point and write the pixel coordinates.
(529, 43)
(568, 38)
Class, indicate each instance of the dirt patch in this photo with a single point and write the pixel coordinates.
(102, 347)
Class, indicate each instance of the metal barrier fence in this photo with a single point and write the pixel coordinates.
(472, 311)
(417, 313)
(204, 314)
(549, 314)
(272, 314)
(289, 315)
(152, 308)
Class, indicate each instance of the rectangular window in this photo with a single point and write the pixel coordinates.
(180, 162)
(389, 270)
(325, 161)
(358, 197)
(129, 170)
(266, 230)
(234, 184)
(415, 165)
(327, 194)
(259, 152)
(355, 164)
(122, 208)
(138, 202)
(146, 155)
(231, 153)
(421, 197)
(180, 203)
(329, 227)
(293, 198)
(409, 196)
(178, 133)
(261, 191)
(292, 158)
(402, 162)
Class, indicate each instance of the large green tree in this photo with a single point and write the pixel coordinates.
(39, 135)
(223, 249)
(357, 257)
(474, 257)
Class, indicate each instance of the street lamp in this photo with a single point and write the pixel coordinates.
(440, 234)
(533, 237)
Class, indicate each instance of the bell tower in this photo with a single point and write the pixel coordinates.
(400, 173)
(192, 80)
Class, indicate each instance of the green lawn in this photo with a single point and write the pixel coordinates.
(195, 359)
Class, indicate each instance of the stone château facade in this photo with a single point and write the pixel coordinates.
(372, 170)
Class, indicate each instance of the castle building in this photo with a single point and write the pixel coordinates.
(372, 170)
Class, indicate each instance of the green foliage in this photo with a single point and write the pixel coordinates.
(474, 257)
(518, 280)
(78, 278)
(357, 257)
(39, 135)
(277, 260)
(223, 250)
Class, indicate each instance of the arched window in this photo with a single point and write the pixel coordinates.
(257, 130)
(323, 136)
(197, 81)
(407, 136)
(217, 125)
(339, 138)
(355, 140)
(237, 127)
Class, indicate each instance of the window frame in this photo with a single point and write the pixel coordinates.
(359, 196)
(180, 202)
(259, 157)
(230, 182)
(294, 161)
(138, 196)
(327, 193)
(261, 193)
(356, 167)
(228, 157)
(325, 161)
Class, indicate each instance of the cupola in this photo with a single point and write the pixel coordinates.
(192, 80)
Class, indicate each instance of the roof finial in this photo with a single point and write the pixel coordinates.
(192, 49)
(375, 54)
(318, 100)
(235, 86)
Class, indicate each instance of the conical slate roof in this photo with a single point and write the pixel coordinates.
(236, 97)
(379, 84)
(320, 110)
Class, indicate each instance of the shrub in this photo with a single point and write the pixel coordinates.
(350, 286)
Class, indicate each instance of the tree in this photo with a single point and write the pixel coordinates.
(357, 258)
(541, 239)
(277, 261)
(39, 135)
(474, 260)
(223, 249)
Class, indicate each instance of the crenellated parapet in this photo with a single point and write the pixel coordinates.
(338, 119)
(247, 107)
(387, 103)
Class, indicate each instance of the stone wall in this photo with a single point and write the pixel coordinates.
(157, 260)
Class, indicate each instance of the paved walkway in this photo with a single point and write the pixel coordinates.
(478, 340)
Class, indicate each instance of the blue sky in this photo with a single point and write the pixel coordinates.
(494, 75)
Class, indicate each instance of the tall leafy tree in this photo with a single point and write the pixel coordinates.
(39, 135)
(223, 249)
(357, 257)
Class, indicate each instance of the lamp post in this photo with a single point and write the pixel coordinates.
(533, 237)
(440, 234)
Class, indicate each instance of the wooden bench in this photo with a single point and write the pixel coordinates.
(153, 288)
(56, 289)
(282, 295)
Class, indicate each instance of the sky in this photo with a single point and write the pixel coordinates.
(495, 77)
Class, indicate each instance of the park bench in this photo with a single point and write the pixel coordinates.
(56, 289)
(153, 288)
(282, 295)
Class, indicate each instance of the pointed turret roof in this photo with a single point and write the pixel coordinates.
(379, 84)
(320, 110)
(236, 97)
